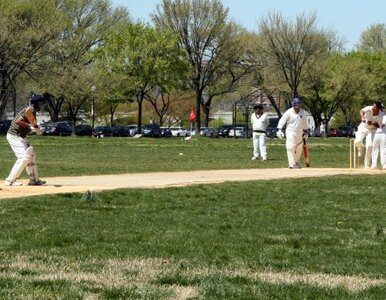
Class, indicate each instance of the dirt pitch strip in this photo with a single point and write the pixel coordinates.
(57, 185)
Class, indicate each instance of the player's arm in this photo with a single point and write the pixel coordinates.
(25, 122)
(31, 118)
(363, 116)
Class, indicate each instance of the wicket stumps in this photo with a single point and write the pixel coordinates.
(354, 158)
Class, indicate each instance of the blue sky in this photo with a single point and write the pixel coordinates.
(349, 18)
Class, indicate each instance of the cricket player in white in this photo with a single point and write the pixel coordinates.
(379, 145)
(23, 124)
(294, 119)
(371, 117)
(260, 122)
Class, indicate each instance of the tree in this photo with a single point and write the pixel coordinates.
(238, 70)
(373, 39)
(206, 36)
(336, 85)
(287, 47)
(163, 101)
(146, 56)
(27, 29)
(69, 62)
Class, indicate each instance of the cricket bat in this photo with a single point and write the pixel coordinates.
(306, 153)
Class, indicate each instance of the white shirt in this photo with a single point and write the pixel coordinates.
(368, 114)
(295, 122)
(382, 125)
(259, 122)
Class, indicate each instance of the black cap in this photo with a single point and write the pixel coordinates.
(378, 104)
(258, 106)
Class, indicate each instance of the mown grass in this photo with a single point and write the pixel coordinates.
(312, 238)
(85, 156)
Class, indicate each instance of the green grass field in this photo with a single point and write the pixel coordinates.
(312, 238)
(66, 156)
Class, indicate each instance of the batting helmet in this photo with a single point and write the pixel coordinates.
(296, 101)
(35, 101)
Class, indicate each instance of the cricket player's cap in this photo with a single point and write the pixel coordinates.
(296, 101)
(378, 104)
(258, 106)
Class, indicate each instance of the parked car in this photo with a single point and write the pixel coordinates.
(63, 128)
(83, 130)
(346, 131)
(133, 129)
(151, 130)
(239, 131)
(121, 131)
(223, 130)
(209, 132)
(102, 131)
(166, 132)
(179, 131)
(333, 132)
(271, 132)
(4, 126)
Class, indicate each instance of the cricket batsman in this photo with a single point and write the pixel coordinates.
(295, 122)
(22, 125)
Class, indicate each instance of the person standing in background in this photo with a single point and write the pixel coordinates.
(260, 122)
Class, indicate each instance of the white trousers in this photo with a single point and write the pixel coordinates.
(294, 146)
(19, 146)
(259, 145)
(362, 133)
(379, 147)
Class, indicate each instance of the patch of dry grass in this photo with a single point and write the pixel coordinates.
(141, 272)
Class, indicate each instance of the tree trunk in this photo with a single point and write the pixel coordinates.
(274, 105)
(206, 111)
(139, 116)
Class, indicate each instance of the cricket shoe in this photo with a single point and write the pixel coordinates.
(295, 166)
(254, 158)
(37, 182)
(12, 183)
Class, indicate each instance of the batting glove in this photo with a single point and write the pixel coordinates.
(280, 134)
(39, 131)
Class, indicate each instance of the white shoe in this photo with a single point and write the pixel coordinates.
(13, 183)
(254, 158)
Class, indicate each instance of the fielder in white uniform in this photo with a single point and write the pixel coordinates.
(23, 124)
(260, 122)
(371, 117)
(379, 145)
(294, 119)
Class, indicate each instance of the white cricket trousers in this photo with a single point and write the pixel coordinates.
(19, 146)
(294, 146)
(259, 145)
(379, 147)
